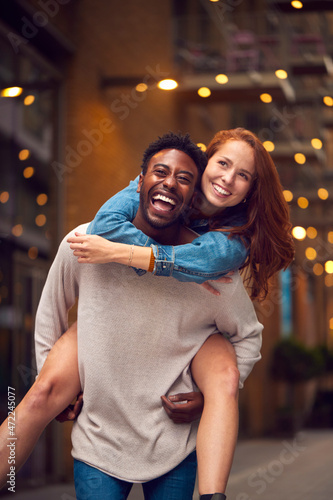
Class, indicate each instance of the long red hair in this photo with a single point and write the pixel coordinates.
(268, 227)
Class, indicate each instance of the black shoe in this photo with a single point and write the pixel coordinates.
(216, 496)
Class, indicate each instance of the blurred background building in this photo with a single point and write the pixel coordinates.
(81, 100)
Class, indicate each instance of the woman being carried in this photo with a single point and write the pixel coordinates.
(244, 219)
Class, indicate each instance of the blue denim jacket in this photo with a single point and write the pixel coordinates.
(208, 257)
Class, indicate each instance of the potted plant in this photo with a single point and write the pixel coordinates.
(293, 365)
(322, 412)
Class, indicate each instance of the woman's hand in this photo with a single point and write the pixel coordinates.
(91, 249)
(224, 279)
(72, 411)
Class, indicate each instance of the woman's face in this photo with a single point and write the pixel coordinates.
(228, 175)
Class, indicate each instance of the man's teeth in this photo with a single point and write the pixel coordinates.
(164, 198)
(221, 190)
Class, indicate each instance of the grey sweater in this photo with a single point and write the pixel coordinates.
(136, 338)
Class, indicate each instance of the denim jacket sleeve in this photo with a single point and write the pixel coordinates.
(208, 257)
(113, 220)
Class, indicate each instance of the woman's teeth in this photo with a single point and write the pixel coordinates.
(221, 190)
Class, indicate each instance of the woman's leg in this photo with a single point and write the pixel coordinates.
(56, 386)
(215, 372)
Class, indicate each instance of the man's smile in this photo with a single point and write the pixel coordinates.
(163, 202)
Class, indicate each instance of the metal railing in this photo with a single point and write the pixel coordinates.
(255, 42)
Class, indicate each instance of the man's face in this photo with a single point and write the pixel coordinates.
(167, 188)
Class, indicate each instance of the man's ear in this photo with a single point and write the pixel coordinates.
(140, 183)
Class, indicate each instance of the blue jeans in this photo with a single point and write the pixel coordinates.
(178, 484)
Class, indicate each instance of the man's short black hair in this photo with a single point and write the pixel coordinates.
(175, 141)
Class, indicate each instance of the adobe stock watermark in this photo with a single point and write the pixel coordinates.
(30, 28)
(264, 476)
(28, 373)
(92, 138)
(279, 121)
(74, 156)
(11, 440)
(226, 7)
(130, 100)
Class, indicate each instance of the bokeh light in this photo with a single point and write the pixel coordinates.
(11, 92)
(4, 197)
(329, 267)
(141, 87)
(29, 100)
(328, 100)
(311, 232)
(310, 253)
(24, 154)
(167, 84)
(299, 232)
(300, 158)
(42, 199)
(204, 92)
(323, 193)
(266, 98)
(288, 195)
(296, 4)
(281, 74)
(269, 146)
(316, 143)
(302, 202)
(17, 230)
(28, 172)
(222, 79)
(318, 269)
(33, 253)
(40, 220)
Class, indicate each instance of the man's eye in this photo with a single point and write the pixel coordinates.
(184, 179)
(159, 172)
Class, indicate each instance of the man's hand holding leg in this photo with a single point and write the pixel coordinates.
(184, 407)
